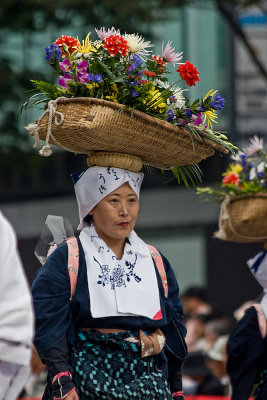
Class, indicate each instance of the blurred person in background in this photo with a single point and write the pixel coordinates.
(216, 360)
(16, 317)
(195, 301)
(197, 378)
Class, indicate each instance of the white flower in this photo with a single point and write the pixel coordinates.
(261, 167)
(161, 84)
(103, 34)
(253, 173)
(256, 144)
(137, 44)
(180, 100)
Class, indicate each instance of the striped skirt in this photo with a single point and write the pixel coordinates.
(105, 366)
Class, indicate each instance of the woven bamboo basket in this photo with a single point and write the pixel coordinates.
(243, 219)
(86, 125)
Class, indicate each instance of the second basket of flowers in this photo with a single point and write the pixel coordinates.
(113, 96)
(243, 196)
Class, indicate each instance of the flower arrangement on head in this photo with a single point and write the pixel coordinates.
(120, 69)
(246, 175)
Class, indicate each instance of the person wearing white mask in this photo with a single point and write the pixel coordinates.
(16, 316)
(121, 334)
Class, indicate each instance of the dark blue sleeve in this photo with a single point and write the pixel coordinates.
(175, 348)
(51, 294)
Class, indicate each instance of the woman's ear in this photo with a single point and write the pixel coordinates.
(92, 211)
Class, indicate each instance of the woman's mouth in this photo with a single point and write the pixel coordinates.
(124, 224)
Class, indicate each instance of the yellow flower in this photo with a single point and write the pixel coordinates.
(233, 169)
(155, 100)
(91, 87)
(114, 94)
(210, 116)
(87, 46)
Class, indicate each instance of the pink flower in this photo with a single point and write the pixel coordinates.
(65, 65)
(103, 34)
(256, 144)
(170, 55)
(63, 81)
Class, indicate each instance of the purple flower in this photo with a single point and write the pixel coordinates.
(217, 103)
(169, 115)
(81, 73)
(82, 77)
(197, 119)
(82, 65)
(65, 65)
(63, 81)
(53, 53)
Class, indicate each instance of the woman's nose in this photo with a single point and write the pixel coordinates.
(123, 209)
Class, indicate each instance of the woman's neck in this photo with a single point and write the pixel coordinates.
(116, 245)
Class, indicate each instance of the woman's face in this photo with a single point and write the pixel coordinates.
(115, 216)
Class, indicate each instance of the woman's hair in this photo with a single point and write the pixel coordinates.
(88, 219)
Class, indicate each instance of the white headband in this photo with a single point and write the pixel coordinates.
(92, 185)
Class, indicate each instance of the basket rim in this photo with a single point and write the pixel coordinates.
(142, 116)
(231, 197)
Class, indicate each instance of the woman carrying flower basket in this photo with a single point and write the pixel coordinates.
(120, 336)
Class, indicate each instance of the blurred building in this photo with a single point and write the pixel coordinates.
(172, 217)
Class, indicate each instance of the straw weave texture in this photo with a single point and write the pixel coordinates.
(243, 219)
(98, 125)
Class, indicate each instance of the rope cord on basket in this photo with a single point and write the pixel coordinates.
(53, 116)
(224, 209)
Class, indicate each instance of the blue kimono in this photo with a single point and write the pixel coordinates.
(58, 320)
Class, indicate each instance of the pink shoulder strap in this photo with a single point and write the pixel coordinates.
(73, 263)
(160, 267)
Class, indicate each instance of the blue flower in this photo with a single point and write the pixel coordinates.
(243, 160)
(200, 108)
(134, 93)
(53, 53)
(217, 103)
(169, 115)
(188, 113)
(137, 59)
(95, 78)
(98, 78)
(173, 99)
(260, 175)
(131, 83)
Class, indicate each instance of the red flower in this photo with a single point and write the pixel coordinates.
(231, 179)
(158, 59)
(151, 73)
(69, 41)
(189, 73)
(116, 44)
